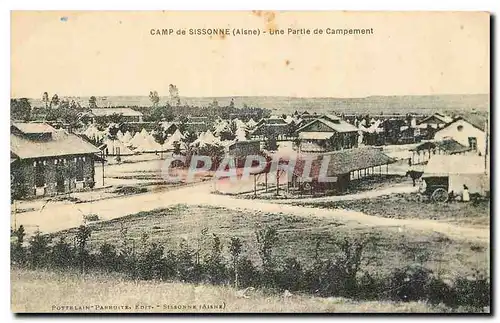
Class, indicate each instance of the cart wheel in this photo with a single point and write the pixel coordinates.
(440, 195)
(307, 186)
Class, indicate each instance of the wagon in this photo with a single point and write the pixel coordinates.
(436, 188)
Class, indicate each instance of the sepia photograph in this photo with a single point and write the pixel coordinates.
(250, 162)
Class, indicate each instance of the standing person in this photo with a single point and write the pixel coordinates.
(465, 194)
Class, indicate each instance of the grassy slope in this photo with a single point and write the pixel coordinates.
(297, 238)
(38, 291)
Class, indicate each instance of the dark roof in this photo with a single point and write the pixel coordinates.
(448, 145)
(59, 143)
(345, 161)
(332, 122)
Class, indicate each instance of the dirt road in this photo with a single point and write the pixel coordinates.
(60, 217)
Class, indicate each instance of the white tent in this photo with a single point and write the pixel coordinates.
(119, 135)
(210, 139)
(176, 136)
(241, 134)
(126, 137)
(116, 147)
(137, 140)
(93, 133)
(251, 123)
(144, 132)
(239, 123)
(149, 144)
(289, 119)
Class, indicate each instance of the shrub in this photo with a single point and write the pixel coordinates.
(409, 283)
(17, 251)
(370, 287)
(474, 292)
(150, 262)
(107, 258)
(38, 250)
(439, 292)
(248, 274)
(215, 268)
(266, 240)
(62, 255)
(291, 276)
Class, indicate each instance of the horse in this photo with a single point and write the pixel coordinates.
(414, 175)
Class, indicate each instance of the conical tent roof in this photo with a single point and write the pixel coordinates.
(137, 140)
(176, 136)
(119, 135)
(241, 134)
(149, 144)
(144, 132)
(251, 123)
(126, 137)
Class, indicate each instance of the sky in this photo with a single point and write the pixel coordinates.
(113, 53)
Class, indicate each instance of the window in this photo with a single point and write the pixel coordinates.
(39, 174)
(473, 143)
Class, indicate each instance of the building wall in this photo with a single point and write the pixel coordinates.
(24, 173)
(243, 149)
(462, 136)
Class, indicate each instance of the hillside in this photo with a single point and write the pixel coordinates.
(427, 104)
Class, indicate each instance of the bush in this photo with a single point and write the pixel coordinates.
(248, 274)
(38, 250)
(215, 268)
(150, 263)
(62, 255)
(17, 250)
(107, 258)
(409, 283)
(291, 276)
(370, 287)
(474, 292)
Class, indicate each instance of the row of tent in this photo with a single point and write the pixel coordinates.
(143, 141)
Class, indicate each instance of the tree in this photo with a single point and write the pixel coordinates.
(214, 104)
(174, 95)
(20, 109)
(159, 134)
(45, 99)
(235, 250)
(54, 101)
(82, 238)
(92, 102)
(266, 240)
(154, 98)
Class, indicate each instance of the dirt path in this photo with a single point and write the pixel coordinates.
(396, 189)
(60, 217)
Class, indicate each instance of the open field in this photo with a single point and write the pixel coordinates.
(38, 291)
(395, 246)
(407, 206)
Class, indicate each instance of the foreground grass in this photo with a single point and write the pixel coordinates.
(45, 291)
(299, 237)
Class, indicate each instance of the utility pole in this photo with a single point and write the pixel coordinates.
(102, 156)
